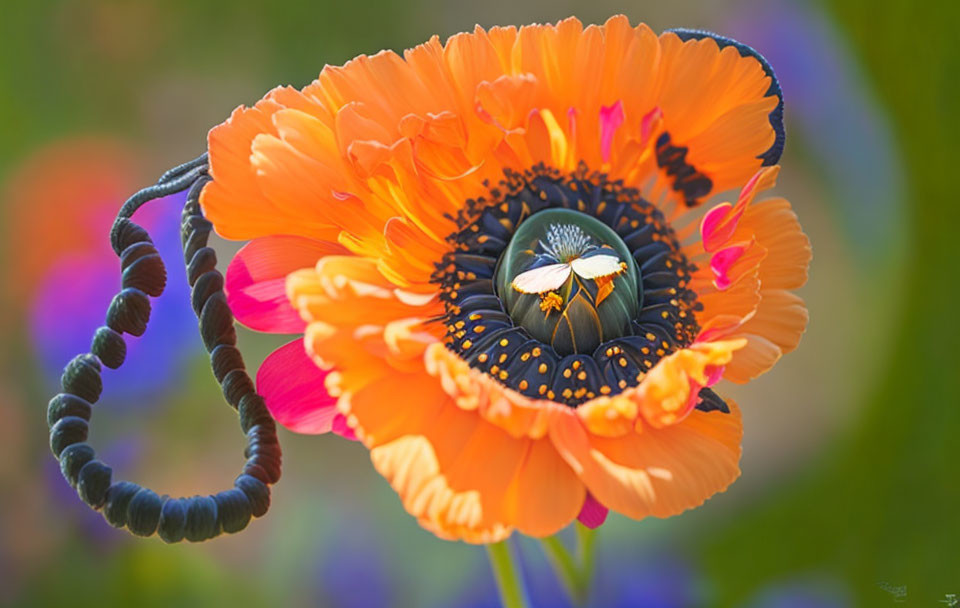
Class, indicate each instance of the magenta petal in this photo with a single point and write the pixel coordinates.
(611, 117)
(721, 263)
(256, 281)
(592, 514)
(340, 428)
(293, 388)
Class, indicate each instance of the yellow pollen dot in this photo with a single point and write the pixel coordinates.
(479, 329)
(460, 324)
(582, 376)
(460, 334)
(551, 395)
(502, 358)
(622, 384)
(483, 238)
(536, 351)
(567, 373)
(474, 317)
(645, 350)
(467, 344)
(604, 390)
(650, 336)
(453, 295)
(665, 314)
(576, 365)
(543, 368)
(503, 375)
(647, 363)
(483, 358)
(567, 393)
(580, 392)
(504, 342)
(523, 385)
(494, 369)
(609, 352)
(524, 356)
(542, 389)
(622, 361)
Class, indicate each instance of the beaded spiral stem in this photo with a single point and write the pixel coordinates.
(125, 504)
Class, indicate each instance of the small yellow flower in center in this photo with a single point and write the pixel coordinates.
(550, 301)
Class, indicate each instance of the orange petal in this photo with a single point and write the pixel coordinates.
(659, 472)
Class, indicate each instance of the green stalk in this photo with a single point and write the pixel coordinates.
(586, 541)
(576, 574)
(509, 579)
(566, 568)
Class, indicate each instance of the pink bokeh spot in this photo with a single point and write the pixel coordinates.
(295, 394)
(592, 514)
(611, 117)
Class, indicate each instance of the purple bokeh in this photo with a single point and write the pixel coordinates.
(72, 299)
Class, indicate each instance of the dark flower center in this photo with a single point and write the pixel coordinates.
(565, 287)
(569, 280)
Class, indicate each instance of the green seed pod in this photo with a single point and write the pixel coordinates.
(570, 281)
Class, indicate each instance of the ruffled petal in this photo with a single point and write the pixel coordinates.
(659, 472)
(466, 479)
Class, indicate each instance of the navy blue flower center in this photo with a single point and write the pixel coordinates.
(565, 286)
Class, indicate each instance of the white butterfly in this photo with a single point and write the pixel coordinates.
(553, 276)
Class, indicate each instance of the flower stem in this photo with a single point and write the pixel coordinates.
(565, 567)
(586, 538)
(576, 574)
(509, 579)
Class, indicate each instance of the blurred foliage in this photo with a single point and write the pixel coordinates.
(878, 505)
(881, 507)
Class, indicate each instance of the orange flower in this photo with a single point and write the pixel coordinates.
(394, 203)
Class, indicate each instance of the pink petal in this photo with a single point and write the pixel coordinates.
(649, 122)
(611, 117)
(592, 514)
(256, 281)
(715, 230)
(721, 263)
(293, 388)
(340, 428)
(719, 224)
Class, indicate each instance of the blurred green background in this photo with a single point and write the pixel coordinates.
(849, 494)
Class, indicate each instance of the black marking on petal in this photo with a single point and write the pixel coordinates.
(771, 156)
(711, 402)
(686, 178)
